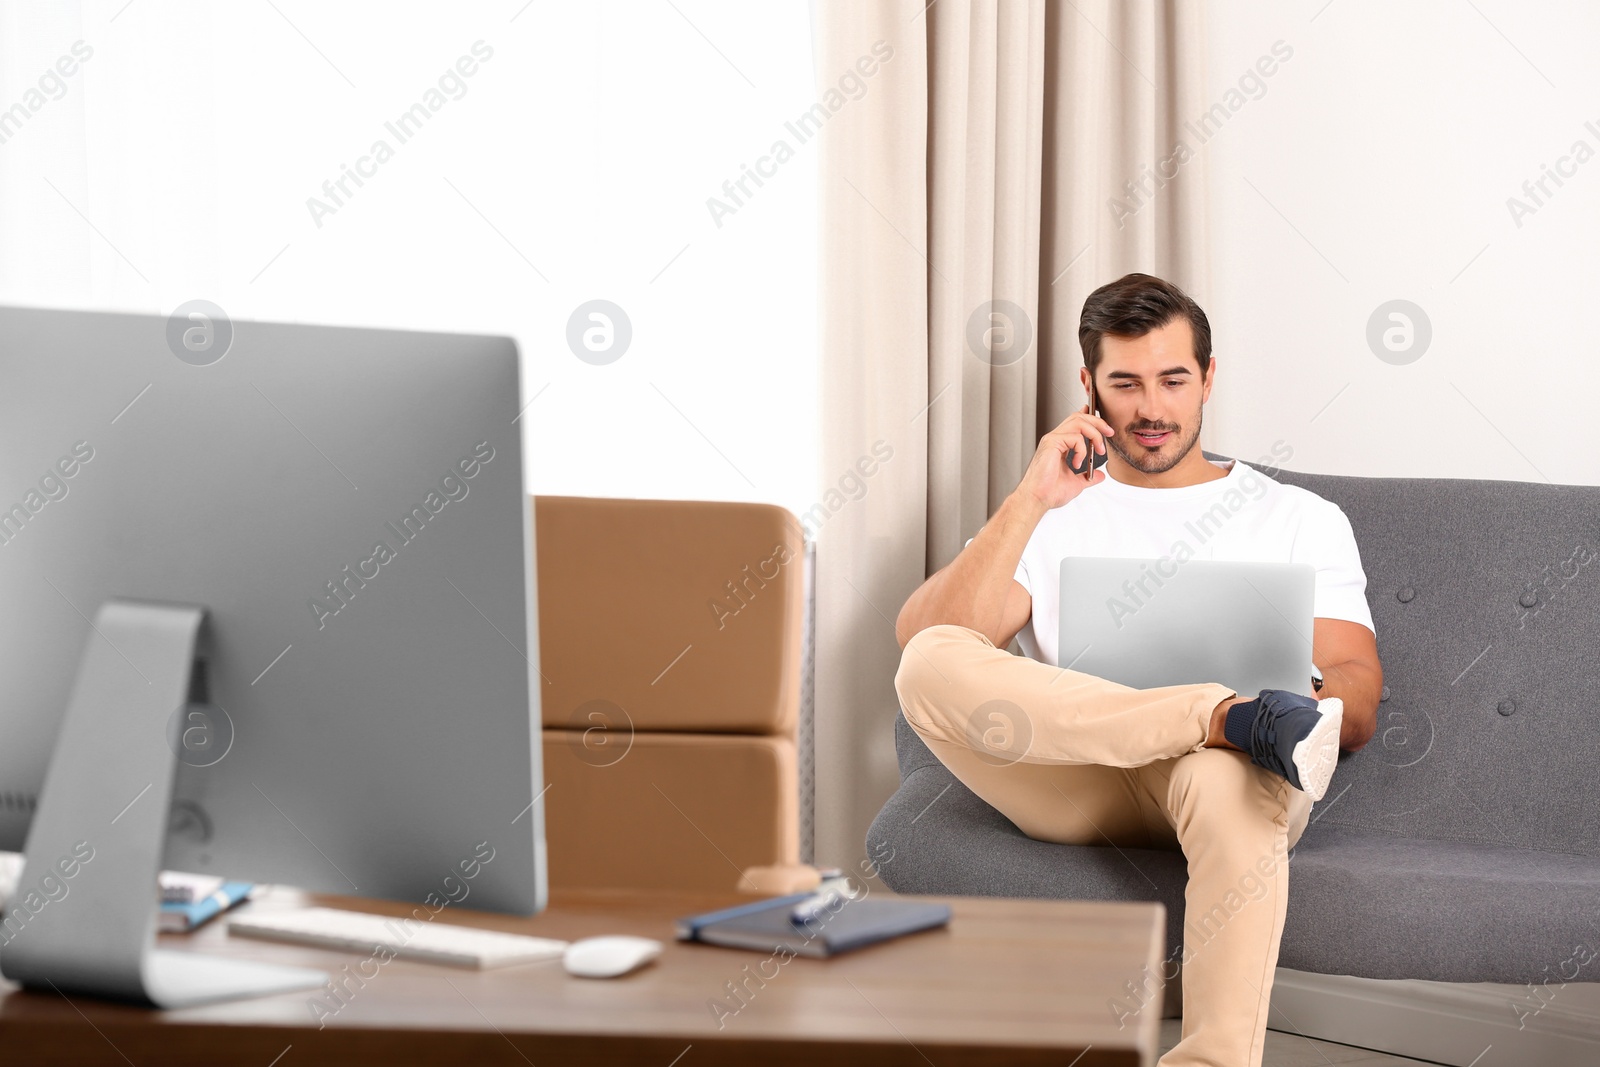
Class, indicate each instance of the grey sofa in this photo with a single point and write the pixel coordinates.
(1462, 844)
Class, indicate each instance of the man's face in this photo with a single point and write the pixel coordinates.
(1150, 390)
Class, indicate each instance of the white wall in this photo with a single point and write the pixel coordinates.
(590, 140)
(1377, 165)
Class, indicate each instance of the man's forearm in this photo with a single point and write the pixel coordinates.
(1359, 686)
(972, 590)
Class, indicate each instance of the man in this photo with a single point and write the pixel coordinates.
(1229, 778)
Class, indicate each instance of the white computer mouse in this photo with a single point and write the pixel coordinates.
(609, 957)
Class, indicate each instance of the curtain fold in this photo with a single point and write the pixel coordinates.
(983, 172)
(1009, 158)
(1124, 188)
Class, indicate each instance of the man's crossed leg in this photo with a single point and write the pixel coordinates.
(1076, 759)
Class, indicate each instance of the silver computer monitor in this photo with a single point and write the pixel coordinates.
(267, 610)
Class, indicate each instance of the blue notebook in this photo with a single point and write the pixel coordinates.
(178, 918)
(765, 925)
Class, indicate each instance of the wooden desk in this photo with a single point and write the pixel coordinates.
(1008, 981)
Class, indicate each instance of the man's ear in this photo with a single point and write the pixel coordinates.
(1210, 376)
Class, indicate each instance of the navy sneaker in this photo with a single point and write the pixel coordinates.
(1290, 735)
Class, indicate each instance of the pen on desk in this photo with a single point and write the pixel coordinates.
(814, 905)
(688, 927)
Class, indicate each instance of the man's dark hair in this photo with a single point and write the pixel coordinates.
(1132, 306)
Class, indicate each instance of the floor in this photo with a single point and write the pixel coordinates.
(1291, 1050)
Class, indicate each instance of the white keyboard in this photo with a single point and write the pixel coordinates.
(430, 942)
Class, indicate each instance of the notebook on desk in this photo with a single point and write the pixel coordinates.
(765, 926)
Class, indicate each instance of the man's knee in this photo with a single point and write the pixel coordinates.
(925, 655)
(1220, 790)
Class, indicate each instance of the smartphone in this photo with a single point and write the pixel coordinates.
(1095, 460)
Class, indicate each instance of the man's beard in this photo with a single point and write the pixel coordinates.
(1161, 460)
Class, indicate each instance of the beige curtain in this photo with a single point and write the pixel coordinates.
(984, 165)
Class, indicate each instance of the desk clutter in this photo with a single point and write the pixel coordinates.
(187, 900)
(190, 900)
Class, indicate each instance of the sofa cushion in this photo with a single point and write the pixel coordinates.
(1383, 906)
(678, 615)
(665, 810)
(1362, 903)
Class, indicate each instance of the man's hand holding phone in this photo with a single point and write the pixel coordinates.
(978, 589)
(1064, 464)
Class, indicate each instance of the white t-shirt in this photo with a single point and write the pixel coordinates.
(1244, 516)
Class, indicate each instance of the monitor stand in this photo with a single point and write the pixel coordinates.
(95, 846)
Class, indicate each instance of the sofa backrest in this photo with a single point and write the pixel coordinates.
(712, 590)
(1486, 600)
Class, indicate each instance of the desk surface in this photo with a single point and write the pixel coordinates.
(1013, 981)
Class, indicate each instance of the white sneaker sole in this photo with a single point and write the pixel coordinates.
(1316, 756)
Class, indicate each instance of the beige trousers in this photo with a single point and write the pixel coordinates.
(1072, 758)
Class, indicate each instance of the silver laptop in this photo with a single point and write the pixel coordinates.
(1148, 623)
